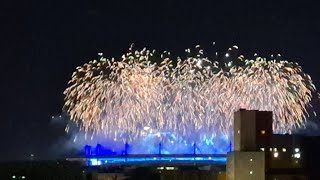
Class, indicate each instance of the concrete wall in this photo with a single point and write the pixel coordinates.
(252, 130)
(245, 131)
(246, 166)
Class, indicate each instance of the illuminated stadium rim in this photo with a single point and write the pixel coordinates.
(156, 159)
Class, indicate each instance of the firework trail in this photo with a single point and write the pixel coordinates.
(192, 98)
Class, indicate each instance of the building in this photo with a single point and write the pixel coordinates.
(247, 162)
(260, 154)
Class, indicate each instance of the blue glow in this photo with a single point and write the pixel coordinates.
(136, 160)
(167, 143)
(87, 150)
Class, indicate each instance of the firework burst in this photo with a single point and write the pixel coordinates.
(193, 98)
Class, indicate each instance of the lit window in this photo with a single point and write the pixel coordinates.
(94, 162)
(263, 132)
(275, 149)
(250, 172)
(284, 149)
(250, 159)
(238, 131)
(270, 149)
(13, 177)
(296, 150)
(276, 154)
(169, 168)
(297, 155)
(262, 149)
(23, 177)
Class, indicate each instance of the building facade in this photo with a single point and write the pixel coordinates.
(260, 154)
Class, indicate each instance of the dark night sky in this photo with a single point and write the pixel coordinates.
(42, 43)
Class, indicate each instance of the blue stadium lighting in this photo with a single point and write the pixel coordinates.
(150, 150)
(99, 155)
(151, 145)
(136, 160)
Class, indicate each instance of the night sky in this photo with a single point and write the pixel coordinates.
(43, 42)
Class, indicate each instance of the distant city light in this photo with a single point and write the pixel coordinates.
(227, 54)
(169, 168)
(296, 150)
(297, 155)
(276, 154)
(284, 149)
(95, 162)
